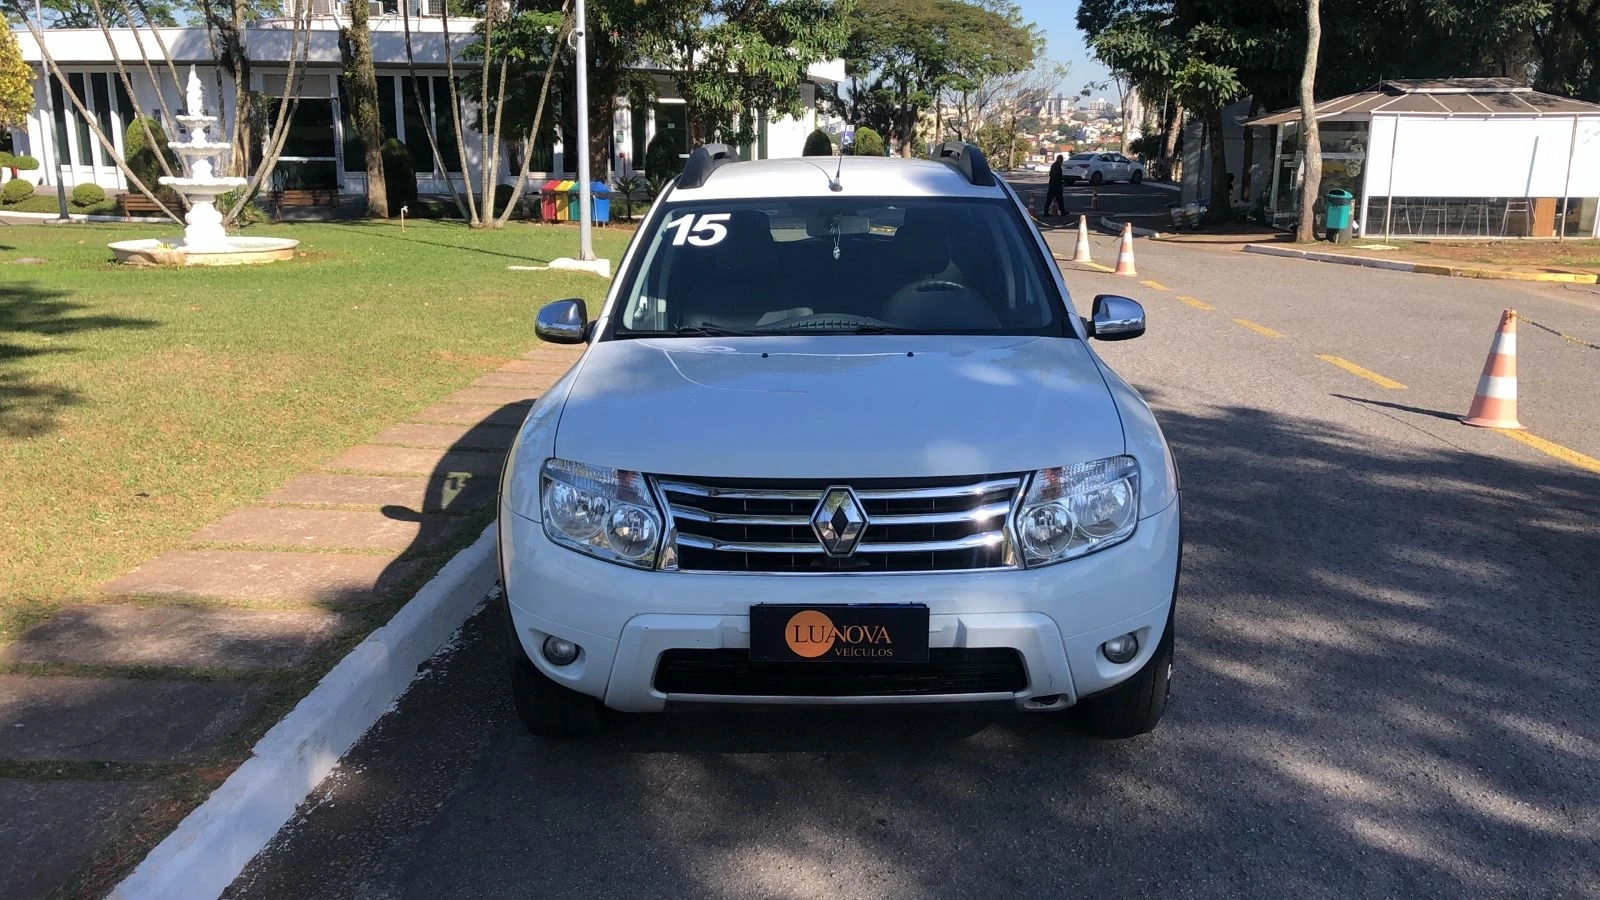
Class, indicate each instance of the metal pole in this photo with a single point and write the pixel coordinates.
(585, 211)
(1566, 186)
(1388, 211)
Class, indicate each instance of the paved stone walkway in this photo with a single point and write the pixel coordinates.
(109, 704)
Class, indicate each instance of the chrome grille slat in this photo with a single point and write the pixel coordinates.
(696, 514)
(916, 525)
(980, 488)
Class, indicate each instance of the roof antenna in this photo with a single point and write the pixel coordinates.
(833, 183)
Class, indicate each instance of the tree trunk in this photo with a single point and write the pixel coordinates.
(1311, 184)
(1249, 154)
(1221, 207)
(362, 83)
(1169, 145)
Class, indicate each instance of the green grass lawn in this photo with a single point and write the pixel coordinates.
(137, 405)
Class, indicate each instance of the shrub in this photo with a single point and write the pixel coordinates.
(141, 156)
(16, 190)
(6, 159)
(818, 144)
(868, 143)
(661, 157)
(626, 189)
(502, 197)
(249, 214)
(399, 177)
(24, 163)
(87, 195)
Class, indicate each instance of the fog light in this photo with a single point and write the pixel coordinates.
(560, 651)
(1118, 649)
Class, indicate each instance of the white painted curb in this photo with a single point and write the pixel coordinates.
(1111, 226)
(1363, 261)
(82, 217)
(211, 846)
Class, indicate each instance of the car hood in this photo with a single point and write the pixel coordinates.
(838, 406)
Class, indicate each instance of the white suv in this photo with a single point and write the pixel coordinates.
(839, 438)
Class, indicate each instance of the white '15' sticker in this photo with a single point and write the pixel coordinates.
(704, 231)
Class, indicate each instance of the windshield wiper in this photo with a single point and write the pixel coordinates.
(690, 331)
(874, 329)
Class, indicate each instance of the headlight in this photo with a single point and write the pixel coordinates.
(607, 513)
(1079, 509)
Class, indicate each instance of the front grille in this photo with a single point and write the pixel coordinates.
(949, 670)
(913, 525)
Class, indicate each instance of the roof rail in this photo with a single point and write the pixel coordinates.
(702, 162)
(968, 160)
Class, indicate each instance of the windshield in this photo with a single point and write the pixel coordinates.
(838, 265)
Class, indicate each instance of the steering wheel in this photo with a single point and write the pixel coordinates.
(935, 284)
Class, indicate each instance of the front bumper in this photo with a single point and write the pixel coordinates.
(1056, 617)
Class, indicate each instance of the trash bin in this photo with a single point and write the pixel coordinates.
(601, 196)
(573, 210)
(547, 200)
(1340, 204)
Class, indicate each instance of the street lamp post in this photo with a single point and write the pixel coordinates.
(585, 201)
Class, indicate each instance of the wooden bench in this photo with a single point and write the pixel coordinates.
(303, 197)
(134, 203)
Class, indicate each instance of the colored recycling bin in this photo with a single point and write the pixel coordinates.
(547, 200)
(572, 189)
(602, 201)
(566, 202)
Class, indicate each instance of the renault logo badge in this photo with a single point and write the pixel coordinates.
(839, 521)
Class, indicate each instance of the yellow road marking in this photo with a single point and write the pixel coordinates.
(1550, 448)
(1197, 304)
(1368, 374)
(1095, 265)
(1262, 330)
(1155, 285)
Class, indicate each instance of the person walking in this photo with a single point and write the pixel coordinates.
(1053, 194)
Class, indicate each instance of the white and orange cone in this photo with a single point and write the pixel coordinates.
(1094, 200)
(1125, 254)
(1081, 254)
(1495, 403)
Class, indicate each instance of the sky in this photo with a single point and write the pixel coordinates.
(1057, 18)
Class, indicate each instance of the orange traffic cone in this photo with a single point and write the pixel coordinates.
(1495, 403)
(1081, 254)
(1125, 255)
(1094, 200)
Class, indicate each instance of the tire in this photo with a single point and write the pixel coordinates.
(1137, 176)
(547, 709)
(1096, 178)
(1135, 706)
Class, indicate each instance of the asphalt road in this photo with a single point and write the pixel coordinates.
(1389, 629)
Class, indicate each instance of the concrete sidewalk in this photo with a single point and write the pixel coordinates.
(1430, 266)
(119, 715)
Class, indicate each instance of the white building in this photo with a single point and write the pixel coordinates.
(322, 148)
(1469, 157)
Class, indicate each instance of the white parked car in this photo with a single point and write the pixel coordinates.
(838, 437)
(1096, 168)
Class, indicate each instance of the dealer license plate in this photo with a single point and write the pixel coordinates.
(830, 633)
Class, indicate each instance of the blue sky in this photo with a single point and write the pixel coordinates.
(1058, 20)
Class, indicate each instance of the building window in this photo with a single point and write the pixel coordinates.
(434, 95)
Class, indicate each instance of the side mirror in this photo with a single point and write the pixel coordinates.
(1115, 318)
(563, 322)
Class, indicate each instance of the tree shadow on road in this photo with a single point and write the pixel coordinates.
(1384, 688)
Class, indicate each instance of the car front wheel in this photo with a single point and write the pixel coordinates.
(547, 709)
(1135, 706)
(1138, 176)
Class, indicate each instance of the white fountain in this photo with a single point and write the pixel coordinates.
(204, 243)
